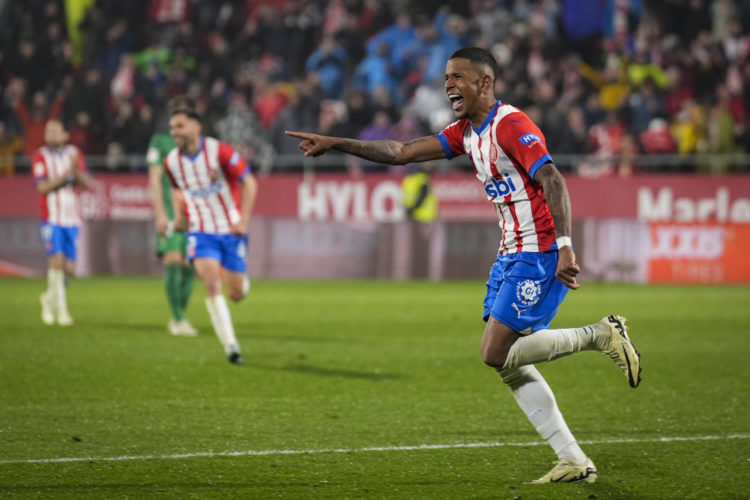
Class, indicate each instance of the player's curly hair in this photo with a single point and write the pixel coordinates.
(479, 56)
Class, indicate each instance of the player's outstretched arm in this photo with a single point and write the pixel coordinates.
(558, 199)
(387, 152)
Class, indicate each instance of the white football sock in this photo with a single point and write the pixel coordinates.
(535, 398)
(548, 345)
(56, 284)
(245, 285)
(51, 287)
(221, 319)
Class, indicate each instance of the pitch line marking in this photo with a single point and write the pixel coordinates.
(257, 453)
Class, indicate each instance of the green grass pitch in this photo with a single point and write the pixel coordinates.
(342, 383)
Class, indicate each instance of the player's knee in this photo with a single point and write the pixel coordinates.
(213, 287)
(494, 357)
(236, 295)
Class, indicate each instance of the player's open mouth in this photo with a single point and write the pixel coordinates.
(456, 100)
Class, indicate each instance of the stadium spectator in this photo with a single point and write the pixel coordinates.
(657, 139)
(269, 101)
(302, 113)
(116, 43)
(380, 129)
(689, 128)
(329, 62)
(85, 136)
(34, 119)
(605, 142)
(375, 71)
(643, 105)
(573, 138)
(89, 94)
(10, 145)
(123, 127)
(241, 127)
(351, 38)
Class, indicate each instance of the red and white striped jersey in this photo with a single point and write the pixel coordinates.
(506, 152)
(58, 207)
(209, 181)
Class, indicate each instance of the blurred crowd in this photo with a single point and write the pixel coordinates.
(614, 80)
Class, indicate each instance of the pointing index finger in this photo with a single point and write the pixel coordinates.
(300, 135)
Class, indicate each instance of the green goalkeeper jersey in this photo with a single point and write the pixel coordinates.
(158, 149)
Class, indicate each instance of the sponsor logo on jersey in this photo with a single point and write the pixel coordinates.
(496, 188)
(204, 192)
(527, 292)
(529, 139)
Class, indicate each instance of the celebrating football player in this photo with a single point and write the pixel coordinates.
(535, 263)
(214, 186)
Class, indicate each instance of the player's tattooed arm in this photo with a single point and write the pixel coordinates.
(558, 199)
(387, 152)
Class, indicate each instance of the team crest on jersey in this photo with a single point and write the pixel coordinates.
(493, 153)
(39, 169)
(529, 139)
(527, 292)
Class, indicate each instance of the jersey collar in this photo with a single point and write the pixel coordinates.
(487, 120)
(195, 156)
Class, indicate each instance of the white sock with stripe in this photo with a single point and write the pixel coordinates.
(221, 319)
(548, 345)
(535, 398)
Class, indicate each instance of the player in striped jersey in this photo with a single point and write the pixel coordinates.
(213, 195)
(535, 265)
(57, 169)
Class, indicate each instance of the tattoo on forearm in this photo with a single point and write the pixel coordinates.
(558, 200)
(377, 151)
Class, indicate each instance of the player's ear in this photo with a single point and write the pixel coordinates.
(487, 83)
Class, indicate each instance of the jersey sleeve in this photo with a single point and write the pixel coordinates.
(153, 156)
(232, 163)
(452, 138)
(520, 137)
(38, 167)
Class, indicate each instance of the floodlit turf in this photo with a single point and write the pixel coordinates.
(367, 367)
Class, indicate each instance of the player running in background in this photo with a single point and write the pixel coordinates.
(215, 188)
(535, 264)
(57, 169)
(171, 244)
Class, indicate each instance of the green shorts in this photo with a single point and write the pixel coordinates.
(175, 243)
